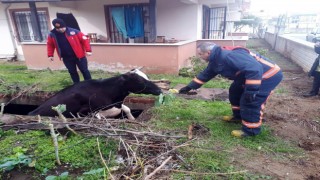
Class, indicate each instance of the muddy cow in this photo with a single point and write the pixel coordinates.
(92, 95)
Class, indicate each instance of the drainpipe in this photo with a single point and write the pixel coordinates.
(15, 54)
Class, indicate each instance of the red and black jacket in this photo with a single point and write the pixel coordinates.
(79, 42)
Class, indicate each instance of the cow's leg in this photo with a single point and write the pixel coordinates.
(127, 110)
(113, 112)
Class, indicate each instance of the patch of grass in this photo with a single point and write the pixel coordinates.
(15, 78)
(179, 114)
(217, 82)
(213, 152)
(281, 90)
(75, 151)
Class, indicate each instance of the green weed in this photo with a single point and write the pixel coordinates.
(18, 158)
(77, 151)
(213, 152)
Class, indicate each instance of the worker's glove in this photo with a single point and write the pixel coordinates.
(250, 96)
(89, 53)
(50, 58)
(184, 90)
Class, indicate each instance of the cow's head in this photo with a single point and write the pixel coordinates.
(139, 83)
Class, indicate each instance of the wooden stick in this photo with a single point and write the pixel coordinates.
(103, 161)
(158, 168)
(64, 119)
(199, 173)
(190, 129)
(2, 109)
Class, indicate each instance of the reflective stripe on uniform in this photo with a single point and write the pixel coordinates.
(248, 81)
(237, 73)
(264, 61)
(258, 124)
(196, 80)
(252, 125)
(274, 68)
(235, 107)
(272, 71)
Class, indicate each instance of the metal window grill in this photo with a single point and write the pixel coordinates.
(24, 26)
(214, 23)
(117, 37)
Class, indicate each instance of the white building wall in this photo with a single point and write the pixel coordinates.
(199, 22)
(175, 19)
(299, 51)
(89, 14)
(6, 43)
(17, 43)
(178, 20)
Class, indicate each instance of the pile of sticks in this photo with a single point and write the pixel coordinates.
(144, 152)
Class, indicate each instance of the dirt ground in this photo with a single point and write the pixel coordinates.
(291, 117)
(294, 118)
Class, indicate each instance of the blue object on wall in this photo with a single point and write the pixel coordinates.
(118, 18)
(134, 21)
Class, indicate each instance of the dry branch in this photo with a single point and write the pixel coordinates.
(190, 129)
(102, 159)
(64, 119)
(2, 109)
(199, 173)
(55, 142)
(158, 168)
(96, 129)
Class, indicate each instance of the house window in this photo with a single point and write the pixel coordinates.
(23, 24)
(214, 23)
(116, 35)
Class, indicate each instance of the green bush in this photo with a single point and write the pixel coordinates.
(198, 65)
(263, 51)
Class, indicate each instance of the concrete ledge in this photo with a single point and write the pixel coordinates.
(226, 42)
(156, 58)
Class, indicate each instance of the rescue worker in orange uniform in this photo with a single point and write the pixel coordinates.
(254, 78)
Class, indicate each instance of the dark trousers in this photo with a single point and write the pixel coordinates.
(82, 64)
(316, 83)
(251, 113)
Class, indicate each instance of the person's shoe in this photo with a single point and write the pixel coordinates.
(310, 95)
(231, 119)
(239, 133)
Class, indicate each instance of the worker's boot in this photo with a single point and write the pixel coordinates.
(310, 94)
(231, 119)
(239, 133)
(315, 86)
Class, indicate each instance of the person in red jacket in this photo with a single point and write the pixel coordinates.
(72, 47)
